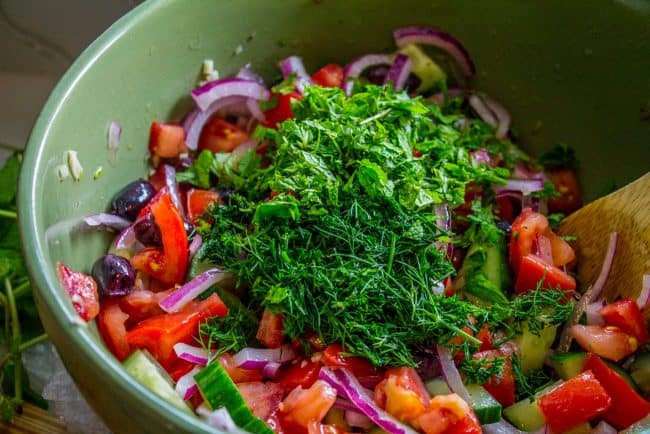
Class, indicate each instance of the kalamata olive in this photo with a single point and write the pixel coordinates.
(505, 226)
(224, 194)
(114, 275)
(376, 74)
(190, 229)
(147, 231)
(131, 199)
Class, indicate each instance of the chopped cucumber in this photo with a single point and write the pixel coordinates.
(641, 372)
(147, 371)
(218, 391)
(424, 67)
(483, 275)
(487, 409)
(568, 365)
(533, 348)
(526, 414)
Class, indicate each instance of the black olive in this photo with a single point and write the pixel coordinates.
(129, 201)
(376, 74)
(412, 83)
(147, 231)
(224, 194)
(505, 226)
(114, 275)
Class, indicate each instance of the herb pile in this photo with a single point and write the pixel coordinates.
(338, 232)
(22, 327)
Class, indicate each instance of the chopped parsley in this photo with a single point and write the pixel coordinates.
(560, 156)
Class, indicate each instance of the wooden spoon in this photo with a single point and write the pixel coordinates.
(626, 211)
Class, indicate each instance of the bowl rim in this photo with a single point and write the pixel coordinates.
(41, 275)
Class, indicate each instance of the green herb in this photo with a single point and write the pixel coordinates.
(527, 384)
(560, 156)
(547, 192)
(232, 332)
(480, 371)
(287, 85)
(18, 312)
(555, 219)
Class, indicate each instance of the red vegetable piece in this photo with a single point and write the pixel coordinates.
(170, 264)
(448, 414)
(561, 251)
(262, 398)
(627, 406)
(271, 330)
(219, 135)
(166, 140)
(573, 402)
(110, 324)
(82, 290)
(141, 304)
(333, 356)
(626, 315)
(238, 375)
(282, 111)
(302, 373)
(304, 406)
(160, 333)
(533, 270)
(198, 202)
(501, 388)
(318, 428)
(609, 342)
(329, 76)
(525, 229)
(566, 184)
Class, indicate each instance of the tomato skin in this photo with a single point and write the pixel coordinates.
(238, 375)
(402, 394)
(627, 406)
(271, 330)
(573, 402)
(198, 201)
(566, 183)
(304, 406)
(262, 398)
(533, 270)
(448, 414)
(318, 428)
(219, 135)
(561, 251)
(525, 229)
(82, 290)
(303, 373)
(608, 342)
(111, 325)
(166, 140)
(360, 367)
(329, 76)
(501, 388)
(160, 333)
(282, 111)
(141, 304)
(626, 315)
(170, 264)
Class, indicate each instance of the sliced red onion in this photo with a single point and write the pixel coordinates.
(213, 91)
(246, 73)
(294, 65)
(593, 316)
(196, 120)
(356, 419)
(253, 106)
(544, 250)
(440, 98)
(502, 115)
(521, 172)
(607, 266)
(220, 419)
(172, 185)
(195, 245)
(344, 404)
(438, 288)
(439, 39)
(443, 221)
(271, 369)
(480, 156)
(354, 69)
(451, 375)
(106, 221)
(114, 134)
(186, 387)
(257, 358)
(126, 241)
(604, 428)
(188, 120)
(482, 110)
(525, 186)
(192, 354)
(399, 71)
(349, 387)
(644, 296)
(188, 292)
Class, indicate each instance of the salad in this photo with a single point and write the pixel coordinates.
(363, 249)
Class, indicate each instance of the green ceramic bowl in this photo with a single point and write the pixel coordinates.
(576, 72)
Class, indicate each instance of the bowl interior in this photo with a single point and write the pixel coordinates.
(574, 72)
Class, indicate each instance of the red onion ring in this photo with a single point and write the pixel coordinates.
(399, 71)
(192, 354)
(186, 387)
(176, 300)
(197, 119)
(354, 69)
(213, 91)
(607, 266)
(592, 312)
(195, 245)
(644, 297)
(294, 65)
(451, 375)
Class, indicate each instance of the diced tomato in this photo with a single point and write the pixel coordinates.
(262, 398)
(198, 202)
(160, 333)
(282, 111)
(566, 184)
(166, 140)
(219, 135)
(360, 367)
(485, 336)
(627, 406)
(302, 373)
(505, 208)
(170, 264)
(448, 414)
(82, 290)
(318, 428)
(179, 368)
(329, 76)
(238, 375)
(626, 315)
(573, 402)
(304, 406)
(525, 229)
(609, 342)
(534, 270)
(402, 394)
(141, 304)
(157, 179)
(501, 388)
(561, 251)
(110, 324)
(270, 332)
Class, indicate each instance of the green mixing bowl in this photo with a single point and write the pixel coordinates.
(570, 71)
